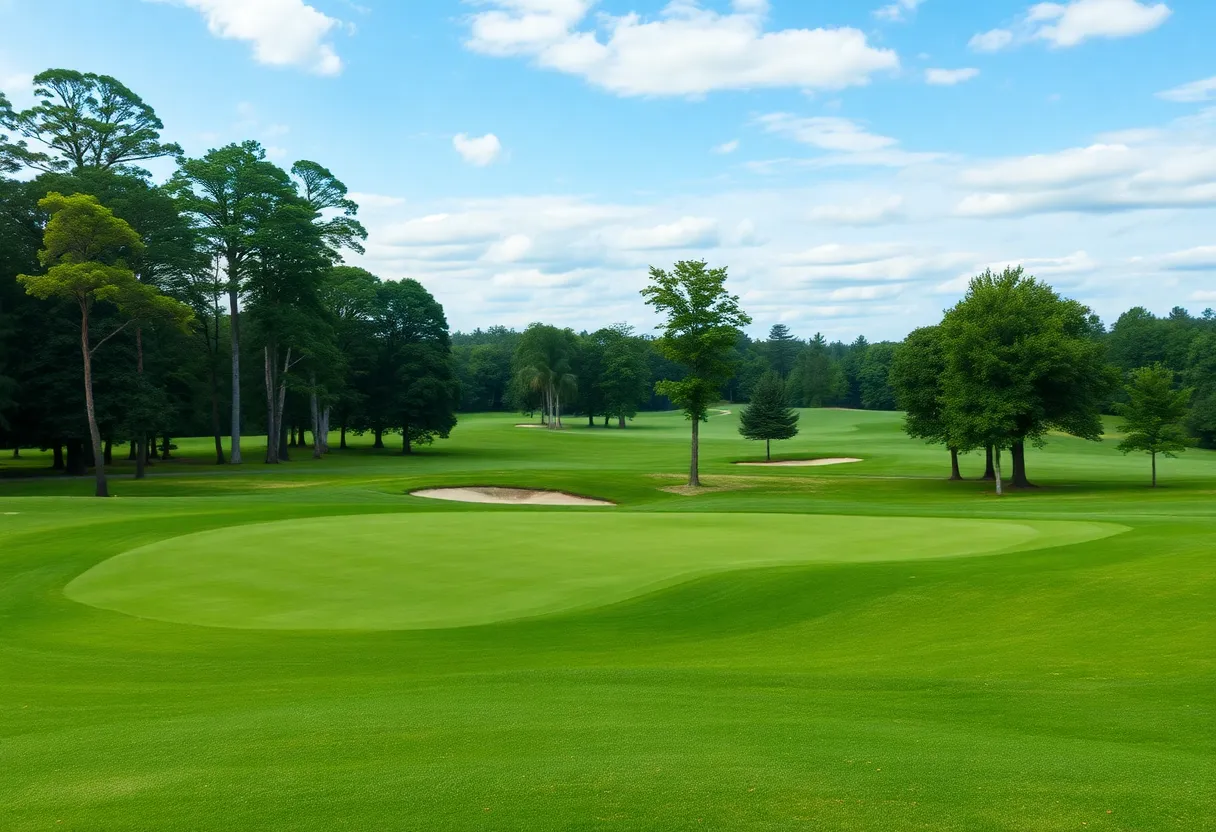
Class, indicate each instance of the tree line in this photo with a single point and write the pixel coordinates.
(218, 303)
(132, 312)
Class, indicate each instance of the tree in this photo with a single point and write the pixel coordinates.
(1020, 361)
(782, 349)
(874, 377)
(625, 382)
(544, 363)
(917, 371)
(1152, 418)
(816, 380)
(84, 120)
(84, 251)
(702, 325)
(227, 193)
(769, 415)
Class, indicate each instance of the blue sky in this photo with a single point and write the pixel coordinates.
(851, 162)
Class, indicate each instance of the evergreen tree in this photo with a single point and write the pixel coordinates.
(769, 415)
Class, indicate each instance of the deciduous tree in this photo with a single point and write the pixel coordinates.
(1153, 415)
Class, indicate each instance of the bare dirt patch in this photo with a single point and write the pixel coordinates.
(803, 463)
(729, 482)
(508, 496)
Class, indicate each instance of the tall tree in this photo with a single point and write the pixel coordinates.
(625, 383)
(702, 325)
(1154, 413)
(1020, 361)
(917, 373)
(782, 349)
(84, 251)
(84, 120)
(769, 415)
(228, 192)
(544, 363)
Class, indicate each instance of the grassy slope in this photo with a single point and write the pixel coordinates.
(1042, 690)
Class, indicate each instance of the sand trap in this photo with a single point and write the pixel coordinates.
(508, 496)
(531, 426)
(803, 463)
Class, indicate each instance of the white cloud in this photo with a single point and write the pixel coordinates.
(283, 32)
(991, 41)
(375, 201)
(687, 50)
(1068, 167)
(847, 141)
(1191, 93)
(897, 11)
(949, 77)
(863, 213)
(727, 147)
(479, 151)
(509, 250)
(1203, 295)
(1199, 258)
(1074, 22)
(18, 87)
(683, 233)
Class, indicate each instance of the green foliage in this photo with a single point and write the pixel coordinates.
(1154, 413)
(917, 374)
(781, 349)
(543, 365)
(624, 382)
(874, 377)
(769, 415)
(83, 120)
(702, 325)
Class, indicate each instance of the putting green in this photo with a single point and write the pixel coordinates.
(410, 571)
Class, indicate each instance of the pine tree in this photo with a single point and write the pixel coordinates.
(769, 415)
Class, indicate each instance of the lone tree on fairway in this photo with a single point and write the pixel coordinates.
(84, 251)
(1153, 416)
(769, 415)
(702, 327)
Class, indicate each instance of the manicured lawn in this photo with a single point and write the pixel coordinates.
(858, 647)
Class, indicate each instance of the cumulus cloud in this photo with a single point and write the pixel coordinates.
(686, 50)
(949, 77)
(1191, 93)
(685, 232)
(286, 33)
(479, 151)
(727, 147)
(509, 250)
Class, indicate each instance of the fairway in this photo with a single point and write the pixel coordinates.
(450, 570)
(852, 647)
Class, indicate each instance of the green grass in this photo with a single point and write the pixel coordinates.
(862, 647)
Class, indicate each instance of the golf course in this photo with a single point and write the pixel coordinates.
(862, 646)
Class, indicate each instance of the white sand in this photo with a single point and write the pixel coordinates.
(531, 426)
(802, 463)
(508, 496)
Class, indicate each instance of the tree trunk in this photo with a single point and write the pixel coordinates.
(1154, 455)
(164, 451)
(342, 434)
(620, 421)
(57, 457)
(694, 478)
(140, 446)
(379, 433)
(282, 402)
(102, 489)
(405, 440)
(315, 409)
(272, 436)
(605, 420)
(215, 415)
(75, 466)
(996, 469)
(325, 430)
(1018, 452)
(133, 452)
(989, 472)
(954, 472)
(768, 450)
(150, 449)
(234, 324)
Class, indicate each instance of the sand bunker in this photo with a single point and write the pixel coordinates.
(508, 496)
(802, 463)
(531, 426)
